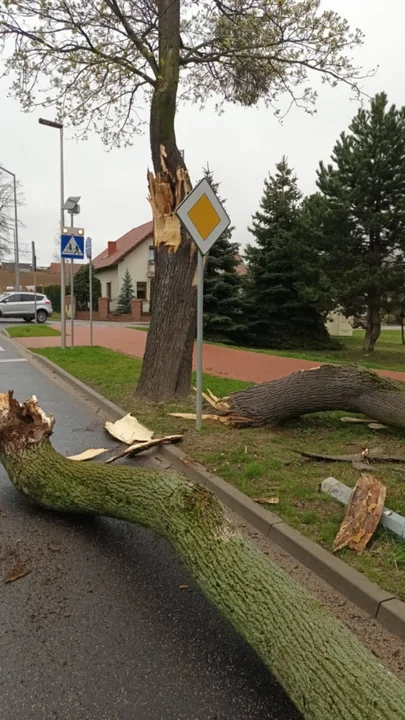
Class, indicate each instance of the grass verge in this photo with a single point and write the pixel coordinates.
(262, 462)
(32, 331)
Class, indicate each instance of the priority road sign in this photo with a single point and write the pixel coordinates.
(205, 220)
(72, 246)
(203, 216)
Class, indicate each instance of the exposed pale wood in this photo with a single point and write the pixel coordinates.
(363, 514)
(88, 454)
(129, 430)
(138, 448)
(391, 520)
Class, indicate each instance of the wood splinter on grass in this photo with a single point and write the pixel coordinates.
(362, 516)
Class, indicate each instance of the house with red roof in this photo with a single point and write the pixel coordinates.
(134, 252)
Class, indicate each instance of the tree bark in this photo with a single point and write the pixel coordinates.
(373, 325)
(329, 387)
(325, 670)
(167, 363)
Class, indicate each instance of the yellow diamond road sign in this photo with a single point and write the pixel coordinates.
(203, 216)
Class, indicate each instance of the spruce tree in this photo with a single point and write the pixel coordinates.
(223, 316)
(126, 295)
(284, 283)
(364, 225)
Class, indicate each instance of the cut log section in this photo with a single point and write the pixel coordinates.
(392, 521)
(363, 514)
(326, 671)
(326, 388)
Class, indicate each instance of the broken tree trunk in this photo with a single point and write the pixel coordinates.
(325, 670)
(167, 362)
(329, 387)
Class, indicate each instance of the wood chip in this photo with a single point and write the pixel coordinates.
(362, 516)
(88, 454)
(129, 431)
(267, 501)
(377, 426)
(16, 573)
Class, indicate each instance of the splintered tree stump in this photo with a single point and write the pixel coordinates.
(326, 388)
(326, 671)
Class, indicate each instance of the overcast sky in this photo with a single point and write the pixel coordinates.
(241, 146)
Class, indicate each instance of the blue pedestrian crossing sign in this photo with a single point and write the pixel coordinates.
(72, 246)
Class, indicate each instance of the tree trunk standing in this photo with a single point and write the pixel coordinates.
(373, 326)
(167, 364)
(325, 670)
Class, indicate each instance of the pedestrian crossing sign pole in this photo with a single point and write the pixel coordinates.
(205, 219)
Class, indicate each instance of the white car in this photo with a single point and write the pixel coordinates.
(21, 305)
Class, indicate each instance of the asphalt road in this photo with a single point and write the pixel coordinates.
(99, 629)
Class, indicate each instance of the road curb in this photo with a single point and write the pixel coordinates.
(379, 604)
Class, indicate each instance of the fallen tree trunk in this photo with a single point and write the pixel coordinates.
(325, 670)
(329, 387)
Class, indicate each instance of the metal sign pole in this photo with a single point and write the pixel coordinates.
(72, 295)
(62, 261)
(200, 312)
(34, 270)
(72, 304)
(91, 302)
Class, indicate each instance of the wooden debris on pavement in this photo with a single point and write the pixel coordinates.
(128, 430)
(141, 447)
(88, 454)
(362, 516)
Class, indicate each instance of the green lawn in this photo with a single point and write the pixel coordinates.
(32, 331)
(263, 462)
(388, 355)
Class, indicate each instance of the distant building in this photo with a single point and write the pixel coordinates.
(133, 251)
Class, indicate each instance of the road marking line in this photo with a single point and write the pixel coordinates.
(1, 349)
(14, 360)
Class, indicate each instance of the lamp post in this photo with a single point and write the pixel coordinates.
(59, 126)
(16, 248)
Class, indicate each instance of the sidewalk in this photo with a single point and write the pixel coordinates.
(220, 361)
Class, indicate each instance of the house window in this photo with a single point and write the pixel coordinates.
(141, 290)
(108, 290)
(151, 257)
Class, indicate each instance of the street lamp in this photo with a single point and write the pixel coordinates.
(59, 126)
(16, 249)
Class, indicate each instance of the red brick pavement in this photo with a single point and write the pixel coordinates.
(225, 362)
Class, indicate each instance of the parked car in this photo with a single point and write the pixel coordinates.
(22, 305)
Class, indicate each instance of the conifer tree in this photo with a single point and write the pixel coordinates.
(364, 225)
(126, 295)
(223, 315)
(284, 283)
